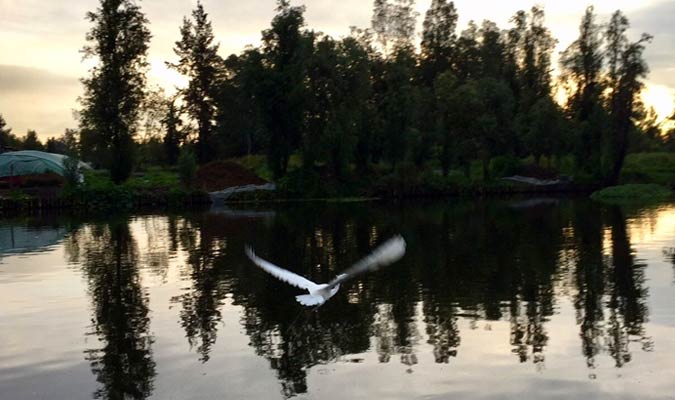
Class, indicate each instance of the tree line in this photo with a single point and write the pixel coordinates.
(371, 100)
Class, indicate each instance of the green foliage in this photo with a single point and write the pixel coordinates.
(115, 89)
(71, 171)
(627, 68)
(156, 188)
(31, 141)
(502, 166)
(257, 164)
(240, 124)
(438, 39)
(393, 23)
(200, 63)
(187, 168)
(632, 193)
(7, 138)
(18, 195)
(407, 180)
(656, 168)
(330, 113)
(174, 136)
(281, 91)
(303, 183)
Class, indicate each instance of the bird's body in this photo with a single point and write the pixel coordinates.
(318, 296)
(389, 252)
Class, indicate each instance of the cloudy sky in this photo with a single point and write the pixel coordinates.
(41, 63)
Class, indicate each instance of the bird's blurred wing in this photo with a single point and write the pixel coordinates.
(280, 273)
(389, 252)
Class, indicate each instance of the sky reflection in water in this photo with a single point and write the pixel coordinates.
(555, 298)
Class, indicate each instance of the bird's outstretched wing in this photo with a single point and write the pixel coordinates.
(389, 252)
(280, 273)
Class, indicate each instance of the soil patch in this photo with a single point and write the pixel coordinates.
(219, 175)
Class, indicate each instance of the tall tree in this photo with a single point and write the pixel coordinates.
(239, 119)
(626, 69)
(467, 59)
(323, 97)
(491, 51)
(537, 48)
(394, 22)
(581, 66)
(438, 39)
(173, 136)
(436, 56)
(199, 61)
(114, 91)
(282, 92)
(338, 89)
(529, 48)
(446, 92)
(399, 105)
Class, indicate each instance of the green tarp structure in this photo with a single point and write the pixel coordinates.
(28, 162)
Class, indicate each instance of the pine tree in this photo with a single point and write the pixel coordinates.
(199, 61)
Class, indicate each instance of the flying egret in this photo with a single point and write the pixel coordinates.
(390, 251)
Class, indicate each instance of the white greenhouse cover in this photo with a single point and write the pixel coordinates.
(28, 162)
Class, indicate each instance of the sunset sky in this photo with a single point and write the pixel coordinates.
(41, 63)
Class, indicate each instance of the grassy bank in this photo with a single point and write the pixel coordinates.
(160, 187)
(632, 193)
(155, 188)
(658, 168)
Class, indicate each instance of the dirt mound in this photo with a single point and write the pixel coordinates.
(219, 175)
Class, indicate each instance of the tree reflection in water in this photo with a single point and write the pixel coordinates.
(123, 365)
(670, 256)
(611, 300)
(470, 263)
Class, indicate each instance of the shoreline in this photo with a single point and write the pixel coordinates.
(181, 200)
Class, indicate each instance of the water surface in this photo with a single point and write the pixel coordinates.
(500, 299)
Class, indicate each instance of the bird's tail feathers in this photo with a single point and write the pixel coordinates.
(309, 300)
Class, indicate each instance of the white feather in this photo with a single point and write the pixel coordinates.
(390, 251)
(280, 273)
(309, 300)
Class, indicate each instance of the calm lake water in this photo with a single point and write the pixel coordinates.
(528, 299)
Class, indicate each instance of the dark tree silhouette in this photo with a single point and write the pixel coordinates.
(114, 91)
(200, 63)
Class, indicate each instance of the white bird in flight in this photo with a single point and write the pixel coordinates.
(389, 252)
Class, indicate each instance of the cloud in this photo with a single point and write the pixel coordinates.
(45, 37)
(660, 54)
(15, 78)
(34, 98)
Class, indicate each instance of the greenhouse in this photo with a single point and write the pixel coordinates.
(29, 162)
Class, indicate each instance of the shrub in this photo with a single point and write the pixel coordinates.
(632, 193)
(505, 166)
(187, 167)
(71, 172)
